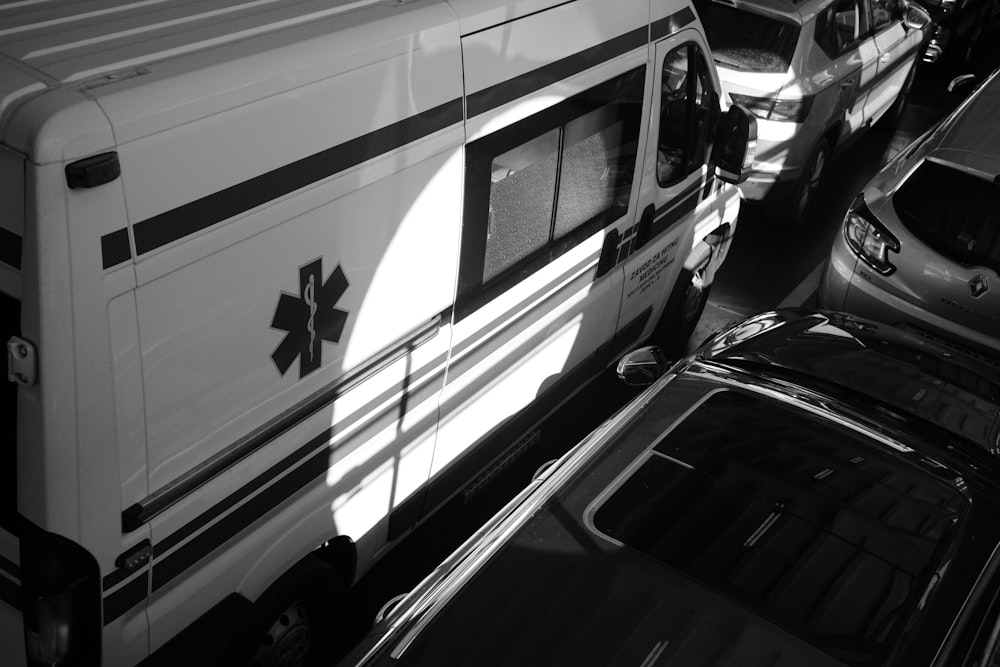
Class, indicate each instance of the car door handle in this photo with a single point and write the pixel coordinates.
(847, 82)
(885, 57)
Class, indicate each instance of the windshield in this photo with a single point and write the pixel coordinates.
(963, 224)
(749, 529)
(744, 40)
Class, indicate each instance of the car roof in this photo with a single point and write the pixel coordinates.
(873, 364)
(970, 137)
(799, 11)
(718, 517)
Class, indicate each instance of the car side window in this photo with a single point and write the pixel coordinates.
(884, 13)
(538, 187)
(688, 113)
(839, 27)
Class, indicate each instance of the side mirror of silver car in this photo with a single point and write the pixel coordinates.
(916, 17)
(643, 366)
(961, 82)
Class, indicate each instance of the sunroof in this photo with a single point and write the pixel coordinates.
(800, 521)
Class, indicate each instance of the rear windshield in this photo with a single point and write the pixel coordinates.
(749, 530)
(963, 225)
(746, 41)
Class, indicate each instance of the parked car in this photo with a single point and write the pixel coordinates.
(797, 492)
(959, 29)
(815, 73)
(920, 246)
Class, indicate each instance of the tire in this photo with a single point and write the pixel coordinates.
(294, 623)
(682, 312)
(794, 210)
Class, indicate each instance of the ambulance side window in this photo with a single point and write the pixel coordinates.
(539, 187)
(687, 116)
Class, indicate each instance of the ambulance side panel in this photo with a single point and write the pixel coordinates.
(80, 448)
(554, 126)
(295, 259)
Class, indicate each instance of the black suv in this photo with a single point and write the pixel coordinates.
(806, 489)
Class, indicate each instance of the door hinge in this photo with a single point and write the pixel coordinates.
(22, 362)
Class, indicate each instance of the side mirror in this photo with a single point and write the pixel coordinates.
(388, 607)
(643, 366)
(960, 82)
(916, 17)
(735, 145)
(544, 468)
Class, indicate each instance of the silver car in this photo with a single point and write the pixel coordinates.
(920, 246)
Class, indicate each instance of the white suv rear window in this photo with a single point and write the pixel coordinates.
(746, 41)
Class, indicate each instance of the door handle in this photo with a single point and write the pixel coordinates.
(644, 230)
(609, 253)
(847, 82)
(885, 57)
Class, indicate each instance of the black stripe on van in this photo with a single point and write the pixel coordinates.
(10, 592)
(671, 24)
(200, 214)
(139, 513)
(10, 568)
(316, 456)
(116, 576)
(207, 541)
(678, 207)
(10, 248)
(126, 597)
(115, 248)
(507, 91)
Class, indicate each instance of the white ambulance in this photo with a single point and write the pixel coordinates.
(280, 277)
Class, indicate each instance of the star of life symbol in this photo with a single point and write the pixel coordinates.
(309, 318)
(978, 286)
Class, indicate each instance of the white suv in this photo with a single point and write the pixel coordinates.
(815, 73)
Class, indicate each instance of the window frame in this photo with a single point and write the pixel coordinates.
(864, 9)
(698, 70)
(473, 291)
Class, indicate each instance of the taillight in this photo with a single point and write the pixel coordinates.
(772, 108)
(868, 238)
(61, 601)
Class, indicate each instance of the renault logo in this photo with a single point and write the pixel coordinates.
(978, 286)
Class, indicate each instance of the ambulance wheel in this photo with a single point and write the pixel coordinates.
(682, 312)
(295, 622)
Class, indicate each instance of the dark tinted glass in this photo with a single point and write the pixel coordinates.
(800, 523)
(751, 534)
(746, 41)
(955, 213)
